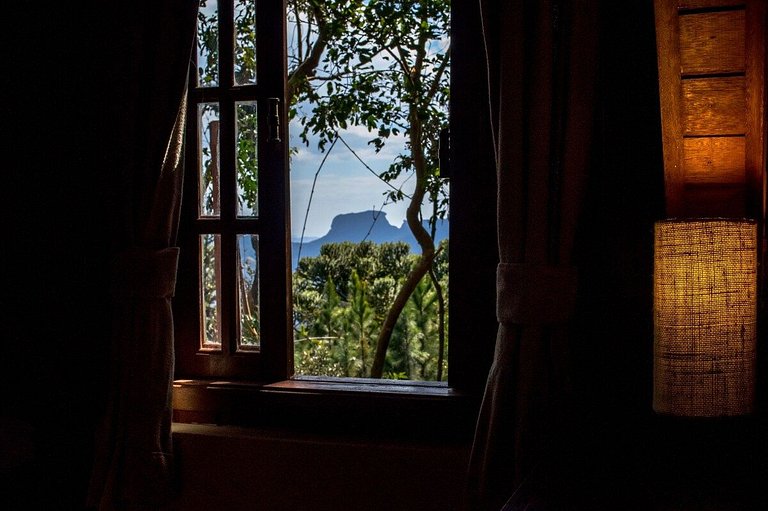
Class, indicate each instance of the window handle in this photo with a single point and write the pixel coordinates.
(273, 120)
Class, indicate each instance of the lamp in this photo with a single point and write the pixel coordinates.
(705, 310)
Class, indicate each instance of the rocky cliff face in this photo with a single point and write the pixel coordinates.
(364, 225)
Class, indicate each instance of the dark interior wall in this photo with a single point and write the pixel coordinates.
(625, 195)
(274, 471)
(56, 214)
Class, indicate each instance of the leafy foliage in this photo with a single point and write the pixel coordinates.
(384, 66)
(340, 300)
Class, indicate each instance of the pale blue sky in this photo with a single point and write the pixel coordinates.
(344, 185)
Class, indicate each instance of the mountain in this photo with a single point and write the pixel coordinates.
(364, 225)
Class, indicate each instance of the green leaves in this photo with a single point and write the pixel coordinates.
(380, 60)
(208, 45)
(340, 300)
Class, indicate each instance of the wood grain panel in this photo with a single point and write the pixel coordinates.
(668, 51)
(755, 114)
(714, 106)
(712, 42)
(714, 160)
(708, 4)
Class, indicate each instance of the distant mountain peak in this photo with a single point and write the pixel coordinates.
(364, 225)
(360, 219)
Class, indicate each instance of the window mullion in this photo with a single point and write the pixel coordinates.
(226, 44)
(230, 319)
(274, 204)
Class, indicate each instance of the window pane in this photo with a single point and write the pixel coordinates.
(248, 289)
(368, 199)
(247, 163)
(245, 42)
(210, 280)
(208, 145)
(208, 44)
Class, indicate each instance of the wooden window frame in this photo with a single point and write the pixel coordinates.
(258, 389)
(271, 361)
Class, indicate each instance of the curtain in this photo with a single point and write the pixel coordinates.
(151, 47)
(542, 74)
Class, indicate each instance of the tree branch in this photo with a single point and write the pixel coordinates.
(438, 76)
(413, 218)
(307, 67)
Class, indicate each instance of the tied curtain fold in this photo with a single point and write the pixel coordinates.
(542, 74)
(133, 453)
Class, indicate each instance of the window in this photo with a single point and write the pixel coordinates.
(235, 222)
(376, 101)
(234, 300)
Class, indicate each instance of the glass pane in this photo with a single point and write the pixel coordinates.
(208, 44)
(245, 42)
(208, 145)
(210, 280)
(248, 289)
(247, 162)
(352, 244)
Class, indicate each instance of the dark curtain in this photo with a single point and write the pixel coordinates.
(542, 74)
(153, 44)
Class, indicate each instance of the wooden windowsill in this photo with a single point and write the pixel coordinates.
(347, 406)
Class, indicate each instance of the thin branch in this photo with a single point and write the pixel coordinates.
(422, 48)
(407, 71)
(369, 168)
(299, 35)
(400, 60)
(438, 76)
(347, 74)
(376, 215)
(441, 322)
(311, 194)
(308, 66)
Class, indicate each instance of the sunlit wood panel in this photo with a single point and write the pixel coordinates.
(714, 160)
(712, 43)
(714, 106)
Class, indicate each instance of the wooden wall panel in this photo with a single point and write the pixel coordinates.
(755, 98)
(712, 42)
(714, 106)
(714, 160)
(668, 52)
(711, 56)
(706, 4)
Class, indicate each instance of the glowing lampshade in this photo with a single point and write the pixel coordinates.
(704, 310)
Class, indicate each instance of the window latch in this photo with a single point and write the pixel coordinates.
(273, 120)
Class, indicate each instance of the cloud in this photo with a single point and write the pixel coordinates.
(344, 184)
(336, 194)
(340, 160)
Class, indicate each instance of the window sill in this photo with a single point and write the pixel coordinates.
(403, 410)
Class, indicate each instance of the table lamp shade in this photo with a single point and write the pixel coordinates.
(705, 310)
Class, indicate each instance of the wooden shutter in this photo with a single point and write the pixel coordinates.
(711, 57)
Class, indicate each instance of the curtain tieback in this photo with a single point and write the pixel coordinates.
(530, 294)
(145, 273)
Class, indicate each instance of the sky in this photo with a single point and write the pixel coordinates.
(344, 185)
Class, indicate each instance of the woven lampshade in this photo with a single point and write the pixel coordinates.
(705, 308)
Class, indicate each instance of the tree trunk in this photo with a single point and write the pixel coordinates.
(424, 264)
